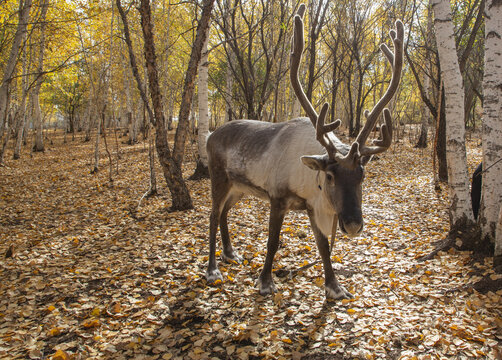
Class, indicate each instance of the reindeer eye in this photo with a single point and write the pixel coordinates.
(329, 177)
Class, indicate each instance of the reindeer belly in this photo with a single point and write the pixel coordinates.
(242, 184)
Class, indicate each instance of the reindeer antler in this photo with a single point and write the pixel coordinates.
(358, 147)
(317, 120)
(396, 62)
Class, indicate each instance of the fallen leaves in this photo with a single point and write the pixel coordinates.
(87, 280)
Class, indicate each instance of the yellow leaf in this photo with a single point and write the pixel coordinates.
(60, 355)
(230, 278)
(273, 333)
(55, 332)
(116, 308)
(287, 340)
(96, 312)
(90, 323)
(51, 308)
(392, 274)
(351, 311)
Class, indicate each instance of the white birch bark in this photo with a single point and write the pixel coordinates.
(24, 12)
(460, 206)
(203, 123)
(37, 113)
(22, 108)
(492, 127)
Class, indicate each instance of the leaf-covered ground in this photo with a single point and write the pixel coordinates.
(91, 278)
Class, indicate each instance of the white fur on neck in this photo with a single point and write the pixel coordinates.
(323, 212)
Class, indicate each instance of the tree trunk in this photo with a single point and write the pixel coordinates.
(460, 205)
(22, 109)
(492, 127)
(189, 83)
(24, 12)
(172, 170)
(131, 121)
(464, 232)
(229, 84)
(103, 127)
(37, 113)
(497, 256)
(96, 148)
(440, 140)
(202, 171)
(422, 140)
(8, 129)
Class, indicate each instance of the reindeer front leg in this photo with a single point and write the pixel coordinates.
(277, 212)
(333, 288)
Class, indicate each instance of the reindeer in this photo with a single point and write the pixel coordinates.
(297, 165)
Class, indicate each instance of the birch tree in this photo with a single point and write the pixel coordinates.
(201, 171)
(35, 95)
(24, 12)
(22, 108)
(492, 129)
(461, 217)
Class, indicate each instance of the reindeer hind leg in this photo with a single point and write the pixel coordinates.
(220, 188)
(228, 254)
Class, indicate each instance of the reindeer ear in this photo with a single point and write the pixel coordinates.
(315, 162)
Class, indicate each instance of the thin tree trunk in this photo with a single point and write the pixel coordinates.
(24, 12)
(152, 190)
(440, 140)
(189, 83)
(132, 60)
(103, 128)
(37, 113)
(422, 140)
(22, 109)
(96, 148)
(229, 84)
(492, 129)
(497, 256)
(202, 171)
(146, 106)
(8, 129)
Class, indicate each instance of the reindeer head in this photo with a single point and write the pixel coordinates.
(343, 165)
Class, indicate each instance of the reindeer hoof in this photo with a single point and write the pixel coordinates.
(212, 276)
(266, 287)
(338, 293)
(232, 258)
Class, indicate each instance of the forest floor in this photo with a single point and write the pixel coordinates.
(84, 275)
